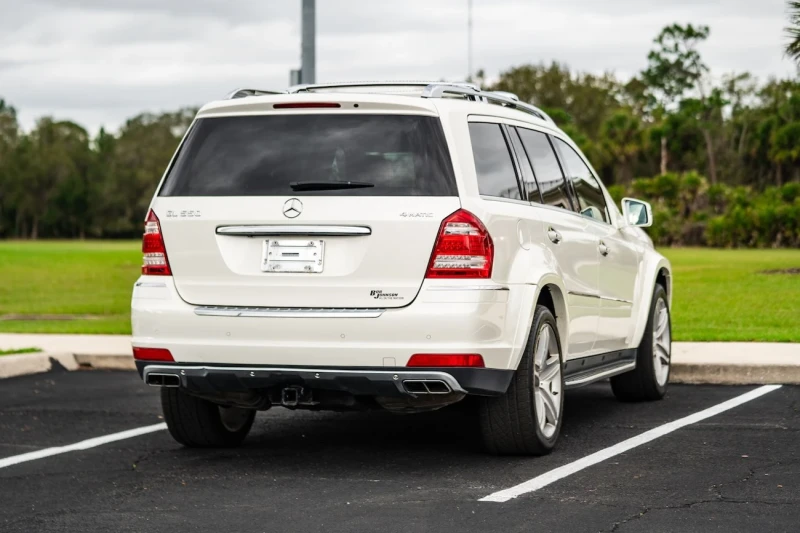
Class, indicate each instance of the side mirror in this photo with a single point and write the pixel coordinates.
(637, 212)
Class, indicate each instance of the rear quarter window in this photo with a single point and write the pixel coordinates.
(548, 173)
(268, 155)
(493, 164)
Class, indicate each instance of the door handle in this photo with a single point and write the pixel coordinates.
(553, 235)
(604, 250)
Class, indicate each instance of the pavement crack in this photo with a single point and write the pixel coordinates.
(145, 456)
(616, 525)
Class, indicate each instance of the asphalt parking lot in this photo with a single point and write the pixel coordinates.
(738, 470)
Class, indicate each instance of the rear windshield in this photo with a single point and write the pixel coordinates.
(279, 155)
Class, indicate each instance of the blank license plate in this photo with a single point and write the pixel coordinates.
(293, 255)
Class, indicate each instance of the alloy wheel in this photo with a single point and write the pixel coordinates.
(547, 380)
(662, 342)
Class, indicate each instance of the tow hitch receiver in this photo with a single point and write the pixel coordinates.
(290, 396)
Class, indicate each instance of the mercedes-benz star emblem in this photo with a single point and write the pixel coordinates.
(292, 208)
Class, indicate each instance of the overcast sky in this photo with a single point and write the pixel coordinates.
(99, 62)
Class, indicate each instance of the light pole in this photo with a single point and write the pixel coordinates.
(307, 73)
(469, 40)
(308, 68)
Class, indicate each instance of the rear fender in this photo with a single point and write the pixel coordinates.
(550, 282)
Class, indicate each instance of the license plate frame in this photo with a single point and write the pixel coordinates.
(293, 256)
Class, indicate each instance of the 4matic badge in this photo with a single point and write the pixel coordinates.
(405, 214)
(380, 295)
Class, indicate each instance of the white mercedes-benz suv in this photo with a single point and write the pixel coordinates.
(398, 246)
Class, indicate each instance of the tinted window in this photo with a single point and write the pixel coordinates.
(527, 172)
(591, 202)
(270, 155)
(493, 164)
(545, 166)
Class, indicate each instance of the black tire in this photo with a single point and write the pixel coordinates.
(198, 423)
(641, 384)
(509, 423)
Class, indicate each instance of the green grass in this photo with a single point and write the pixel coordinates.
(720, 295)
(91, 281)
(15, 351)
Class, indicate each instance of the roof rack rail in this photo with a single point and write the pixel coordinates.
(371, 84)
(242, 93)
(506, 99)
(430, 89)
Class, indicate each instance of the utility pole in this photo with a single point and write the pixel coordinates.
(308, 68)
(307, 73)
(469, 40)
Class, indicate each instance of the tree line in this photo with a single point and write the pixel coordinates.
(723, 137)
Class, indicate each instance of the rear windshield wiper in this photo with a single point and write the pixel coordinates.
(331, 185)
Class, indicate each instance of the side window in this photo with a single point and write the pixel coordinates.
(527, 171)
(551, 181)
(493, 163)
(591, 202)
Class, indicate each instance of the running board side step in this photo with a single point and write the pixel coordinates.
(586, 370)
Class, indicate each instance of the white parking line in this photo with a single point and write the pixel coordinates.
(82, 445)
(597, 457)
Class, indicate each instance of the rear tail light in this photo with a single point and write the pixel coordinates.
(155, 253)
(463, 248)
(446, 359)
(152, 354)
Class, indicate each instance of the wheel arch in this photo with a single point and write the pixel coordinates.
(656, 269)
(551, 293)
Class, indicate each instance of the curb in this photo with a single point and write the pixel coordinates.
(106, 362)
(732, 374)
(36, 363)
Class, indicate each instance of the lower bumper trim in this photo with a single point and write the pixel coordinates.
(378, 381)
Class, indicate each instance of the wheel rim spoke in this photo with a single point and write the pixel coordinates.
(661, 342)
(550, 407)
(547, 381)
(552, 370)
(540, 418)
(542, 347)
(663, 320)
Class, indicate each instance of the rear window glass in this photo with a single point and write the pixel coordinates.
(303, 155)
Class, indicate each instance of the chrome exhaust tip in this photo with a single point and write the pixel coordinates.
(426, 386)
(162, 380)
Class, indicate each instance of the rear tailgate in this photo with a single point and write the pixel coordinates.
(306, 210)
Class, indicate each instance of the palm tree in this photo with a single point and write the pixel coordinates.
(622, 141)
(793, 30)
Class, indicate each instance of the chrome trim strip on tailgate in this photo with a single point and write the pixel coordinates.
(288, 312)
(263, 231)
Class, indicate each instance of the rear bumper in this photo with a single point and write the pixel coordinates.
(486, 319)
(383, 382)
